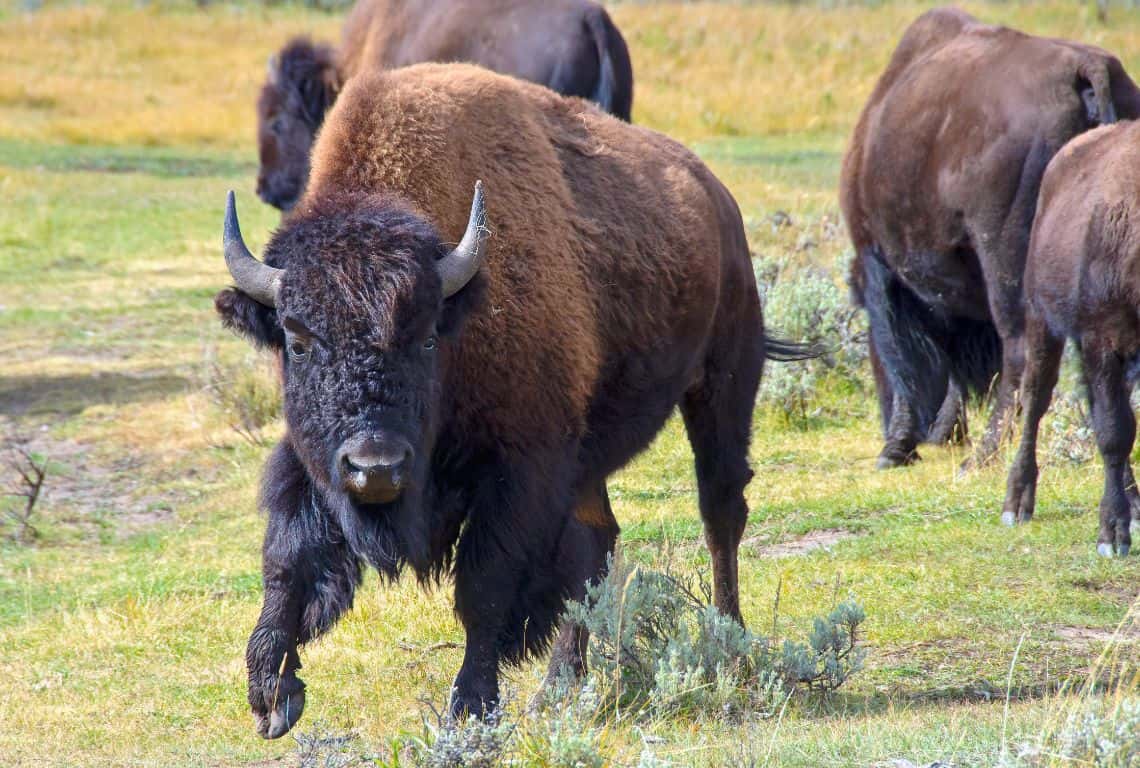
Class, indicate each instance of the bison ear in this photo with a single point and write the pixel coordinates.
(249, 318)
(458, 306)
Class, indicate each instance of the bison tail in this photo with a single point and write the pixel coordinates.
(614, 90)
(783, 351)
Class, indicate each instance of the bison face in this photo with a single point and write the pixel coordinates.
(302, 85)
(361, 311)
(284, 139)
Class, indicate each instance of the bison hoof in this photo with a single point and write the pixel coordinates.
(1123, 549)
(889, 459)
(1009, 519)
(1104, 550)
(283, 717)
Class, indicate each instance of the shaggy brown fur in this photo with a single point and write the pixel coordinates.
(571, 46)
(1082, 281)
(938, 188)
(617, 285)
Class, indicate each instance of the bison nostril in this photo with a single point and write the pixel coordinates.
(374, 468)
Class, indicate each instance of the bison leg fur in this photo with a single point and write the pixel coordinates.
(1115, 427)
(1043, 363)
(718, 418)
(950, 425)
(309, 578)
(1005, 407)
(589, 541)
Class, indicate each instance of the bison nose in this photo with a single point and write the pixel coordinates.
(375, 468)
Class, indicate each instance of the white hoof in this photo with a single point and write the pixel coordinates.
(1104, 550)
(1008, 518)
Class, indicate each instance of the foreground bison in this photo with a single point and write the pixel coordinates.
(458, 409)
(939, 187)
(1082, 281)
(571, 46)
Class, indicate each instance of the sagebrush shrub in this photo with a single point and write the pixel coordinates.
(1099, 733)
(808, 304)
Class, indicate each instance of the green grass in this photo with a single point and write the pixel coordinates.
(122, 630)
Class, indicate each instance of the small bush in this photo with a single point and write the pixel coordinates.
(657, 646)
(1068, 434)
(808, 305)
(247, 394)
(1103, 734)
(472, 743)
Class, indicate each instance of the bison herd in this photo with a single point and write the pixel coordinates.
(487, 297)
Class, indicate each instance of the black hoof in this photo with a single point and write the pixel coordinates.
(889, 459)
(283, 717)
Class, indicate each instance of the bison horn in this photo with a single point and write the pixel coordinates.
(260, 282)
(458, 267)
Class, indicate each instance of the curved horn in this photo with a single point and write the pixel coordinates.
(458, 267)
(258, 281)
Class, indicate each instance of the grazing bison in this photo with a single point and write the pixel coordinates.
(1082, 281)
(571, 46)
(458, 409)
(939, 187)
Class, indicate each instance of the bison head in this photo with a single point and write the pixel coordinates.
(360, 294)
(302, 85)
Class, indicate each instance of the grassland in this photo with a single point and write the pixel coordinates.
(122, 628)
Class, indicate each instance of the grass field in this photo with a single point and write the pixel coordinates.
(123, 626)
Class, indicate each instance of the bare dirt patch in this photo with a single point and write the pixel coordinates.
(801, 545)
(1128, 634)
(82, 493)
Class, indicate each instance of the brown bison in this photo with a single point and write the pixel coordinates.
(571, 46)
(939, 187)
(457, 409)
(1082, 281)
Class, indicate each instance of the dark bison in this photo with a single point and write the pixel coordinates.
(571, 46)
(939, 187)
(1082, 281)
(457, 409)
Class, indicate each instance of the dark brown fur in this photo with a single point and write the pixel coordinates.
(618, 285)
(571, 46)
(1082, 281)
(938, 189)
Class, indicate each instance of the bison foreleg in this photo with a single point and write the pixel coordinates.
(309, 576)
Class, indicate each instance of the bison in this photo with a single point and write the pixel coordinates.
(1082, 281)
(456, 410)
(938, 188)
(571, 46)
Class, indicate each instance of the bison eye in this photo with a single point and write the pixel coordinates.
(429, 345)
(298, 350)
(277, 126)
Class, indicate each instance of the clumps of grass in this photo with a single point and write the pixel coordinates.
(658, 647)
(808, 305)
(1104, 733)
(30, 472)
(471, 743)
(247, 395)
(320, 747)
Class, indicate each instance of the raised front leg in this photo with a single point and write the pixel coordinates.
(1115, 426)
(1042, 364)
(309, 577)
